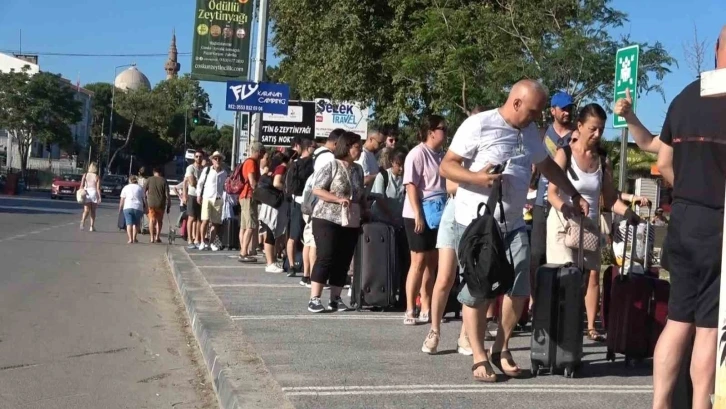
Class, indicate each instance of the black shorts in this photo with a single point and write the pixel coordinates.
(270, 236)
(426, 241)
(297, 224)
(194, 209)
(692, 255)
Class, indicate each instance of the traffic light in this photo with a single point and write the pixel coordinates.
(195, 117)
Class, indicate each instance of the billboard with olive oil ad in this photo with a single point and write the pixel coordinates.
(221, 48)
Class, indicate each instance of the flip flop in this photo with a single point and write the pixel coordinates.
(491, 376)
(496, 358)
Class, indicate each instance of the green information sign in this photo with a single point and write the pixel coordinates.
(626, 78)
(221, 46)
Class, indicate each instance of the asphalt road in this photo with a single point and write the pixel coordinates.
(87, 321)
(370, 360)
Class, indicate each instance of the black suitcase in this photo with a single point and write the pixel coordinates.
(557, 318)
(375, 273)
(230, 233)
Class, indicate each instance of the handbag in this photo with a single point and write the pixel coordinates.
(81, 196)
(433, 209)
(590, 237)
(268, 195)
(350, 215)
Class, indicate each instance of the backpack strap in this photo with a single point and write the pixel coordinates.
(384, 175)
(568, 165)
(201, 193)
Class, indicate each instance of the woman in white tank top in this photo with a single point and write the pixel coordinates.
(91, 183)
(591, 174)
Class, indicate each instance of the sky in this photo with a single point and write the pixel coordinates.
(137, 27)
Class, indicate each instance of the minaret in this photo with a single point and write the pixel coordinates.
(172, 66)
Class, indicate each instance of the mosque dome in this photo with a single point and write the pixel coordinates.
(133, 79)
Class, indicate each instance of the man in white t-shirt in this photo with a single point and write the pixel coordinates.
(211, 188)
(367, 160)
(504, 135)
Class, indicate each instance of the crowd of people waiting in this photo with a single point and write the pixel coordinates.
(564, 169)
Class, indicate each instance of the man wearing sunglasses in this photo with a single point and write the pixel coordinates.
(189, 196)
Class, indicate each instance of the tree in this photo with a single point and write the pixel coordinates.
(639, 162)
(695, 53)
(101, 110)
(224, 143)
(409, 58)
(137, 106)
(40, 108)
(205, 137)
(177, 97)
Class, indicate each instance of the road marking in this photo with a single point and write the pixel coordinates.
(204, 253)
(257, 286)
(346, 388)
(246, 266)
(501, 389)
(40, 209)
(319, 316)
(20, 236)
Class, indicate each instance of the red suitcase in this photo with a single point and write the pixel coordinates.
(637, 314)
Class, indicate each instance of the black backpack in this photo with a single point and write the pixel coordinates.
(298, 174)
(486, 270)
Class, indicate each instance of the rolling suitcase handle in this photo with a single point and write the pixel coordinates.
(632, 248)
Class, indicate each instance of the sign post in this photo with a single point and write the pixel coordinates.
(626, 79)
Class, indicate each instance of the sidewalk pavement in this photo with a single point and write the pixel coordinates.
(274, 353)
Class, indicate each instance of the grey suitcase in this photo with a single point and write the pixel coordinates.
(376, 270)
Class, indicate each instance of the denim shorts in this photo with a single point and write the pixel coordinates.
(133, 216)
(518, 243)
(446, 238)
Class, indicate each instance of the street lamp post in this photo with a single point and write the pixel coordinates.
(110, 122)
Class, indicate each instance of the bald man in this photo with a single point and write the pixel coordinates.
(506, 135)
(691, 157)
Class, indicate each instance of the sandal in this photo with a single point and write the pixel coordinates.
(409, 318)
(496, 358)
(491, 376)
(593, 335)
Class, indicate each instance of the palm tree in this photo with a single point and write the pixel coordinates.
(638, 164)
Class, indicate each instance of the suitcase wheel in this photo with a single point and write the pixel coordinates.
(535, 369)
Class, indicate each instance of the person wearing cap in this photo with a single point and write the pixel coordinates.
(210, 188)
(248, 210)
(659, 219)
(557, 135)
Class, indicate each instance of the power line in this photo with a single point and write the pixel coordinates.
(41, 53)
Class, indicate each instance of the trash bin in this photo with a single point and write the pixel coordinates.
(11, 184)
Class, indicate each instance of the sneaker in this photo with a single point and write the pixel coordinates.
(463, 346)
(214, 247)
(424, 318)
(293, 271)
(202, 246)
(192, 247)
(305, 281)
(308, 283)
(337, 304)
(431, 343)
(491, 331)
(274, 268)
(315, 305)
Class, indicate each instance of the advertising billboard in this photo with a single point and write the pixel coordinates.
(346, 115)
(279, 130)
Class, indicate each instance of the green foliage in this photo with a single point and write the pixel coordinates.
(409, 58)
(639, 162)
(224, 144)
(40, 108)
